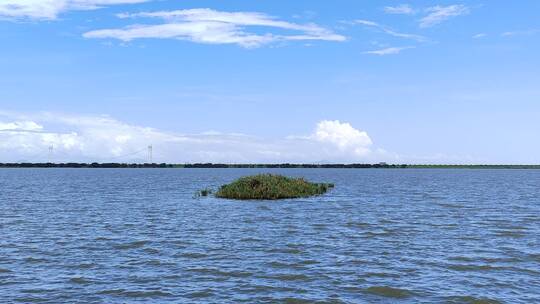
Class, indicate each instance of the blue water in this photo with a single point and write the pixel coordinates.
(381, 236)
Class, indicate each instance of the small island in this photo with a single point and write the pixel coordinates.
(271, 187)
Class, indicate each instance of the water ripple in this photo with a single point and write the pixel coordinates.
(380, 236)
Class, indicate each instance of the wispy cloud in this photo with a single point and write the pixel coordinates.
(51, 9)
(20, 126)
(438, 14)
(480, 35)
(388, 30)
(402, 9)
(216, 27)
(389, 51)
(521, 33)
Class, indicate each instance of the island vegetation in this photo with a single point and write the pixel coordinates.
(271, 187)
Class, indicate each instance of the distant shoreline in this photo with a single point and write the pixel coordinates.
(263, 166)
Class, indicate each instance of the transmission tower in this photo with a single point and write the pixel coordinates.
(150, 154)
(50, 155)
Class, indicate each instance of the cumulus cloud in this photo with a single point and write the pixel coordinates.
(105, 139)
(402, 9)
(343, 136)
(216, 27)
(388, 30)
(388, 51)
(50, 9)
(438, 14)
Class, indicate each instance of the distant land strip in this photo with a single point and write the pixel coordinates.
(286, 165)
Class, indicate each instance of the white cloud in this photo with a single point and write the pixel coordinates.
(438, 14)
(403, 9)
(104, 139)
(343, 136)
(388, 51)
(50, 9)
(521, 33)
(20, 126)
(216, 27)
(480, 35)
(388, 30)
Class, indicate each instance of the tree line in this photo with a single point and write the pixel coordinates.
(284, 165)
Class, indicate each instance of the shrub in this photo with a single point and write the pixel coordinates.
(271, 187)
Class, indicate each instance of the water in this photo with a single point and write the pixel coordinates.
(381, 236)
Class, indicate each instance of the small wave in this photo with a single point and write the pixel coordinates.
(192, 255)
(443, 226)
(143, 280)
(173, 277)
(258, 289)
(290, 277)
(103, 238)
(83, 266)
(534, 257)
(299, 265)
(35, 260)
(79, 280)
(295, 301)
(250, 240)
(222, 273)
(286, 250)
(359, 262)
(131, 245)
(461, 258)
(389, 292)
(200, 294)
(151, 250)
(450, 205)
(15, 222)
(489, 260)
(320, 226)
(381, 275)
(471, 300)
(181, 243)
(468, 267)
(276, 264)
(358, 225)
(2, 270)
(156, 263)
(30, 300)
(373, 234)
(112, 292)
(308, 262)
(135, 293)
(510, 233)
(492, 268)
(35, 290)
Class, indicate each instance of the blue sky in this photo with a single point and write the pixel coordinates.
(270, 81)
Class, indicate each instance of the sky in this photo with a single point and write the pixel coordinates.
(238, 81)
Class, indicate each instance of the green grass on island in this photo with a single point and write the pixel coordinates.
(271, 187)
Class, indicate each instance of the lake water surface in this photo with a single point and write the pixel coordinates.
(381, 236)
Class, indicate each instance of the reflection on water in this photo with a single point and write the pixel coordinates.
(383, 236)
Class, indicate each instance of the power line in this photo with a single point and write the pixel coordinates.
(124, 155)
(52, 152)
